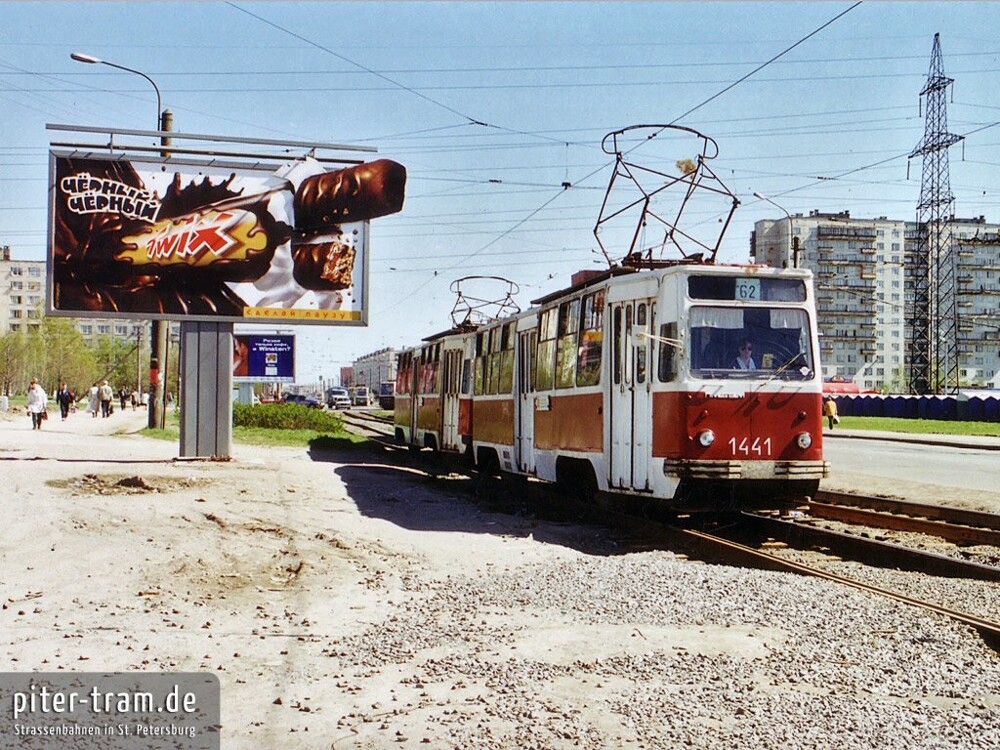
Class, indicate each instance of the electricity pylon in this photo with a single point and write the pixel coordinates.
(933, 314)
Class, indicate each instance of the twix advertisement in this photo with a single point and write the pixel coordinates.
(132, 238)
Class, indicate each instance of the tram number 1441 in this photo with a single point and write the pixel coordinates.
(746, 447)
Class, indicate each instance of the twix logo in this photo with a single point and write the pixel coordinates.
(197, 239)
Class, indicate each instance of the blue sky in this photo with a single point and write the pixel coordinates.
(493, 106)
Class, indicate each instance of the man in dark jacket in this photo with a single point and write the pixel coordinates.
(65, 399)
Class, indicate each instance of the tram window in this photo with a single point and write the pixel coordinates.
(617, 351)
(505, 382)
(566, 362)
(569, 318)
(641, 350)
(666, 365)
(728, 288)
(588, 366)
(530, 362)
(466, 375)
(429, 375)
(436, 370)
(422, 369)
(493, 362)
(545, 365)
(403, 371)
(479, 384)
(780, 338)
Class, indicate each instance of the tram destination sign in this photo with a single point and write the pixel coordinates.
(138, 237)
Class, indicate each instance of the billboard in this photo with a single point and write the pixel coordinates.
(263, 358)
(147, 238)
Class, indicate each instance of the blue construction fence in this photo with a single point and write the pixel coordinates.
(961, 407)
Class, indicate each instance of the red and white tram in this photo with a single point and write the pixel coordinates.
(433, 399)
(629, 383)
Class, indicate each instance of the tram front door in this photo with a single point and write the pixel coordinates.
(525, 422)
(630, 413)
(451, 439)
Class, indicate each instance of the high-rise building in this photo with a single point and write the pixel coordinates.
(863, 285)
(375, 368)
(22, 304)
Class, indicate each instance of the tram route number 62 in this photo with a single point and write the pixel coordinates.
(746, 447)
(748, 290)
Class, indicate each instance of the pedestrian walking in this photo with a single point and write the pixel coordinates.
(65, 399)
(94, 400)
(830, 411)
(106, 394)
(38, 403)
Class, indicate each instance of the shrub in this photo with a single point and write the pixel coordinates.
(285, 417)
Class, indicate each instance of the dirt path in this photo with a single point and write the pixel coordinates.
(116, 556)
(349, 601)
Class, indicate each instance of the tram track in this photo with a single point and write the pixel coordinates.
(958, 525)
(792, 545)
(803, 556)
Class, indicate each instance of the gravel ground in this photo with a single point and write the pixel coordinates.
(346, 603)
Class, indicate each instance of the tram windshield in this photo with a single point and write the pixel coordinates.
(750, 343)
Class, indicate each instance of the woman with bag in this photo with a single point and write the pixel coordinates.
(38, 403)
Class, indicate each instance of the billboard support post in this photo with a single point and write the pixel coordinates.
(206, 389)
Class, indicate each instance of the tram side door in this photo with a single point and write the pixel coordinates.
(451, 377)
(630, 412)
(416, 379)
(527, 343)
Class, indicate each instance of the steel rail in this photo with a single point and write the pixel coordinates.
(977, 518)
(987, 628)
(871, 551)
(712, 548)
(947, 530)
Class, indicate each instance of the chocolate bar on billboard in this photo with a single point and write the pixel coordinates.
(232, 240)
(325, 265)
(358, 193)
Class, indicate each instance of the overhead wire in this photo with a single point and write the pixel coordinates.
(393, 82)
(594, 172)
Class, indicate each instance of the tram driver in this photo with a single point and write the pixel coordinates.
(744, 357)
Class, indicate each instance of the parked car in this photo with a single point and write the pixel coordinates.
(387, 395)
(303, 399)
(338, 398)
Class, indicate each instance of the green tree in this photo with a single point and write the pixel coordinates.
(68, 359)
(13, 362)
(116, 362)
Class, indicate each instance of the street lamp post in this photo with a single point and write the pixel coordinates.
(158, 347)
(91, 60)
(793, 242)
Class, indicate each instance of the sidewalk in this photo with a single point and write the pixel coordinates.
(19, 441)
(978, 442)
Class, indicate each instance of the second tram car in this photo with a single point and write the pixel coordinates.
(694, 385)
(433, 399)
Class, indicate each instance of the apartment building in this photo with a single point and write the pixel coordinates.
(375, 368)
(863, 286)
(22, 304)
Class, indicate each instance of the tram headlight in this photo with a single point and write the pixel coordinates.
(804, 440)
(706, 438)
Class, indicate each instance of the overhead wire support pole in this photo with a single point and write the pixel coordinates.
(933, 350)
